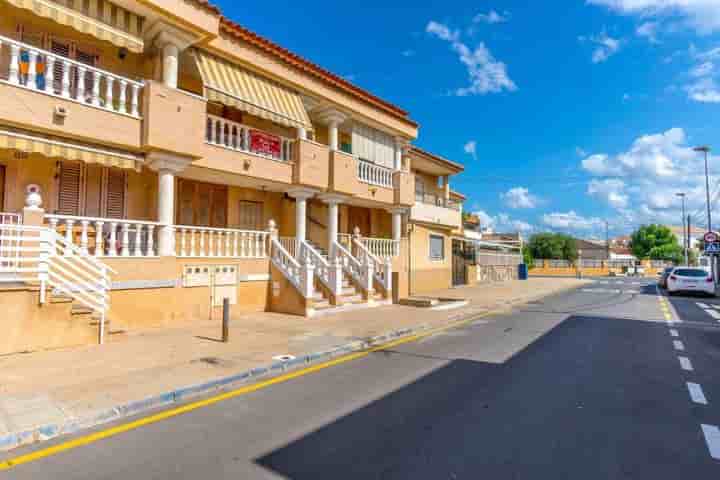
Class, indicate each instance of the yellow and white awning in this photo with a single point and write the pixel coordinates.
(52, 147)
(234, 86)
(102, 19)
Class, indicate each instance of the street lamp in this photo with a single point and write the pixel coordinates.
(685, 237)
(706, 149)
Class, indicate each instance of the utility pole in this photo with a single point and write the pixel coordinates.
(607, 239)
(706, 149)
(688, 230)
(685, 237)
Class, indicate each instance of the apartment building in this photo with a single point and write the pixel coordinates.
(436, 255)
(156, 157)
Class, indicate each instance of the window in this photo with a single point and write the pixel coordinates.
(437, 247)
(251, 215)
(91, 190)
(201, 204)
(373, 145)
(419, 189)
(2, 188)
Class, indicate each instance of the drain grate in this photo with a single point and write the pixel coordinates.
(283, 358)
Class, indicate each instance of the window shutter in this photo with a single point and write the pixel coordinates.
(251, 215)
(69, 183)
(186, 203)
(115, 199)
(2, 188)
(219, 207)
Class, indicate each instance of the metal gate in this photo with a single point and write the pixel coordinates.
(459, 263)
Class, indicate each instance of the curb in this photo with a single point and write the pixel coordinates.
(71, 425)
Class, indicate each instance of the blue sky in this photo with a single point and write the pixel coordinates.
(565, 113)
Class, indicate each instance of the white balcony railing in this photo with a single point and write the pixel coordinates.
(375, 174)
(236, 136)
(220, 242)
(106, 237)
(43, 71)
(382, 247)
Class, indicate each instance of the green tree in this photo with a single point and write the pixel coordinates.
(649, 237)
(552, 246)
(673, 253)
(528, 257)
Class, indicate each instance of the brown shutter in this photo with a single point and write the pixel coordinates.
(93, 190)
(219, 207)
(2, 188)
(69, 188)
(115, 199)
(185, 208)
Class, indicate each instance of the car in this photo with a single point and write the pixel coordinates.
(690, 279)
(662, 282)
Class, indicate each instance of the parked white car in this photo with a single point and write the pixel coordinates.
(689, 279)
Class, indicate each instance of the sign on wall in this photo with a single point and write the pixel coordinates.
(262, 142)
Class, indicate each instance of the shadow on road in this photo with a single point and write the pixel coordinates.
(594, 398)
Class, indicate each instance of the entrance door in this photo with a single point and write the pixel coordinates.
(359, 217)
(459, 265)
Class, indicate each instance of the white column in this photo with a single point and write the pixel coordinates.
(166, 206)
(332, 226)
(397, 224)
(170, 54)
(397, 164)
(333, 135)
(300, 218)
(14, 71)
(301, 133)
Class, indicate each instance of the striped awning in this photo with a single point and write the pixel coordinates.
(101, 19)
(52, 147)
(234, 86)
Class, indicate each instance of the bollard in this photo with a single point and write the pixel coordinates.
(226, 320)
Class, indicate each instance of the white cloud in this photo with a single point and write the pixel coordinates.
(491, 17)
(503, 223)
(519, 197)
(611, 190)
(471, 148)
(701, 15)
(704, 90)
(640, 184)
(702, 70)
(571, 221)
(648, 30)
(605, 46)
(486, 74)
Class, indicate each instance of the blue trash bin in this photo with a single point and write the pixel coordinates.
(522, 271)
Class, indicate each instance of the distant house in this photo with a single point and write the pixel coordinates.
(696, 235)
(592, 249)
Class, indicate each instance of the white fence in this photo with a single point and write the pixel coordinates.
(236, 136)
(375, 174)
(484, 258)
(104, 237)
(220, 242)
(382, 247)
(57, 75)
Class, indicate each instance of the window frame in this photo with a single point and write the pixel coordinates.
(82, 201)
(432, 236)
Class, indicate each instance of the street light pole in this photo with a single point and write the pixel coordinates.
(706, 149)
(685, 245)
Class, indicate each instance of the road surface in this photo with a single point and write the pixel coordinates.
(605, 382)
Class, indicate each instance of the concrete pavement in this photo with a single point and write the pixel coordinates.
(45, 394)
(586, 384)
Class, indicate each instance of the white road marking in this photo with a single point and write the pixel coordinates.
(712, 438)
(714, 314)
(715, 305)
(674, 333)
(685, 364)
(678, 345)
(701, 305)
(599, 290)
(604, 282)
(696, 393)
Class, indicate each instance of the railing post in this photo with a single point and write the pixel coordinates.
(104, 289)
(81, 84)
(109, 93)
(192, 242)
(32, 69)
(95, 98)
(138, 240)
(112, 249)
(336, 275)
(14, 71)
(49, 73)
(69, 236)
(201, 253)
(65, 90)
(122, 98)
(125, 240)
(151, 241)
(183, 246)
(44, 261)
(368, 274)
(99, 239)
(134, 100)
(84, 236)
(228, 252)
(308, 280)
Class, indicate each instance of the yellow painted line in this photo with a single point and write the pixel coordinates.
(126, 427)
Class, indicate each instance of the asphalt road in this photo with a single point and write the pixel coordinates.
(585, 385)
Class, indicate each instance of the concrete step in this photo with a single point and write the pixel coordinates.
(322, 305)
(81, 310)
(349, 290)
(357, 298)
(59, 298)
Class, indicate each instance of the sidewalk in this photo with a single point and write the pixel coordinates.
(44, 394)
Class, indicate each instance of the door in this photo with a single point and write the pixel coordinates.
(359, 217)
(459, 264)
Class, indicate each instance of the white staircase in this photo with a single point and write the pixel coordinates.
(39, 256)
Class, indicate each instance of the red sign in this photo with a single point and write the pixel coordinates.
(261, 142)
(711, 237)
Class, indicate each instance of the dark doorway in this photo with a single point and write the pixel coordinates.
(359, 217)
(459, 263)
